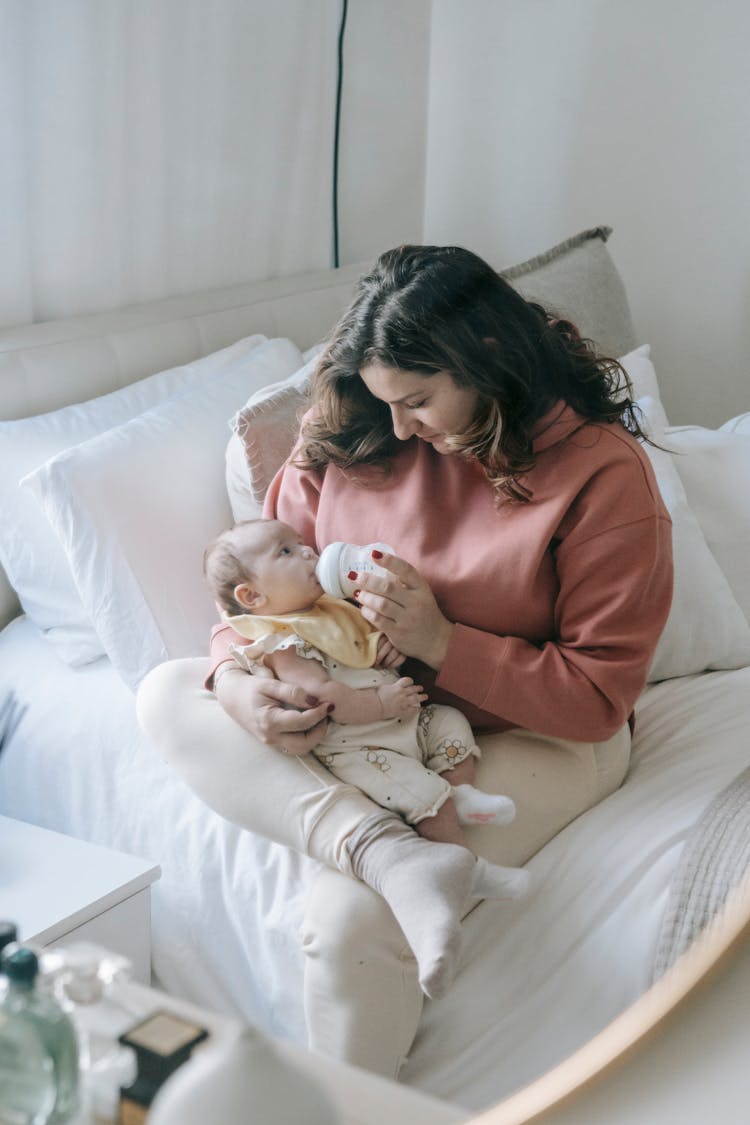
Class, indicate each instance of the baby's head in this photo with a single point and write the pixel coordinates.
(262, 567)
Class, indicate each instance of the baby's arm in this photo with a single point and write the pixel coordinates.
(388, 655)
(351, 705)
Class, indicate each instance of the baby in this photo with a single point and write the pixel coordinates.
(380, 737)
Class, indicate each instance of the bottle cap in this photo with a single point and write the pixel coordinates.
(20, 964)
(8, 933)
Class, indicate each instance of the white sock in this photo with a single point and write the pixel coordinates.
(493, 881)
(476, 807)
(427, 886)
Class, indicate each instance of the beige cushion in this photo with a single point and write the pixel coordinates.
(264, 433)
(579, 280)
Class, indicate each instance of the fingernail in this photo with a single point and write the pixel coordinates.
(312, 701)
(331, 707)
(377, 554)
(352, 575)
(356, 594)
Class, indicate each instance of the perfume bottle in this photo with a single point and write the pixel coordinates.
(90, 984)
(38, 1052)
(338, 560)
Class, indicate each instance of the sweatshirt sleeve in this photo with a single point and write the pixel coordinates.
(615, 590)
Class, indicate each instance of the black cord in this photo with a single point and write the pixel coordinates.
(336, 132)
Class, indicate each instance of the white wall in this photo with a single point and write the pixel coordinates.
(383, 126)
(160, 148)
(548, 116)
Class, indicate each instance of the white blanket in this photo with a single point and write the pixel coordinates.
(539, 977)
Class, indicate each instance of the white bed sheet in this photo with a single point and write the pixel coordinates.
(539, 977)
(543, 975)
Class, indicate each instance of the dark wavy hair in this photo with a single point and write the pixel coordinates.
(430, 309)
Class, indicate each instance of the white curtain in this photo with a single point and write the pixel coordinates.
(153, 147)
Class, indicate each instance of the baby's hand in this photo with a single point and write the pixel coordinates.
(402, 699)
(387, 655)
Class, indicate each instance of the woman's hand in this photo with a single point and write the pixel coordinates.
(281, 715)
(404, 607)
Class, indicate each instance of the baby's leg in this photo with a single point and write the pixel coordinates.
(449, 748)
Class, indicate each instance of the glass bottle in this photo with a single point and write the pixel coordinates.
(38, 1052)
(88, 983)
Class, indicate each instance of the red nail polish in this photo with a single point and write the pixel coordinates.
(352, 575)
(377, 554)
(356, 594)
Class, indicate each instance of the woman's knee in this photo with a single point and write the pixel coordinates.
(164, 693)
(362, 996)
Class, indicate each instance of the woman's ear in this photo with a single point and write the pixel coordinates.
(247, 597)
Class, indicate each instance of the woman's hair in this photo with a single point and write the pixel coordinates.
(225, 567)
(429, 309)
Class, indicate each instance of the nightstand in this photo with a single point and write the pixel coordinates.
(55, 887)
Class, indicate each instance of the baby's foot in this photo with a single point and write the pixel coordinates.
(475, 807)
(493, 881)
(402, 699)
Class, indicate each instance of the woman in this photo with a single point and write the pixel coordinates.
(498, 453)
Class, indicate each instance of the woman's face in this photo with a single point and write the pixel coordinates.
(430, 407)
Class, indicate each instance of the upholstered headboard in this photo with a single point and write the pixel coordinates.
(47, 366)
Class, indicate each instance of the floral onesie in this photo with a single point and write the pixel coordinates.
(396, 762)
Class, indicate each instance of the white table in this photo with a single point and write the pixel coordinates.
(57, 888)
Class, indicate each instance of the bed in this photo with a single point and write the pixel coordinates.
(129, 439)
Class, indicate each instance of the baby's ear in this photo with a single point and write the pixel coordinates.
(248, 597)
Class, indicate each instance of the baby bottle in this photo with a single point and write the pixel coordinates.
(337, 560)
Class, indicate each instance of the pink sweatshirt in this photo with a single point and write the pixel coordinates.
(558, 603)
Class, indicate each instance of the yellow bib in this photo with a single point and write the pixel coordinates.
(333, 625)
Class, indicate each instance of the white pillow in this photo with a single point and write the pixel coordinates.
(706, 628)
(29, 550)
(714, 467)
(642, 375)
(738, 425)
(135, 507)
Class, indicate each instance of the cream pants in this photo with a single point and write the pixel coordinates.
(362, 998)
